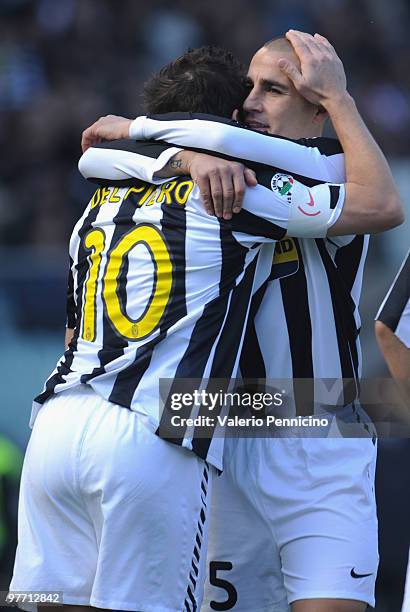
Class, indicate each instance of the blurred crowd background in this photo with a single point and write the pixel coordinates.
(63, 63)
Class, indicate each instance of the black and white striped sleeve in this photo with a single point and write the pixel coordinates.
(316, 158)
(395, 309)
(279, 204)
(122, 162)
(291, 208)
(125, 161)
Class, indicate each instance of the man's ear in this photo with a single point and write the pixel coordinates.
(238, 115)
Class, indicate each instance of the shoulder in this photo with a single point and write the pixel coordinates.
(327, 146)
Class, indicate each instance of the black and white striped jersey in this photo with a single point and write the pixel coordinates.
(394, 311)
(305, 320)
(157, 283)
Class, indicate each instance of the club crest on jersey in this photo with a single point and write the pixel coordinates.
(282, 185)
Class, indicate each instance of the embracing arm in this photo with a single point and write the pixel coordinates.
(372, 202)
(265, 210)
(209, 133)
(229, 138)
(126, 160)
(122, 162)
(222, 183)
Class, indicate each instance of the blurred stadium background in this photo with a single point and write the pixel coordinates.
(63, 63)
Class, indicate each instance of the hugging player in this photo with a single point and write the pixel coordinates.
(114, 357)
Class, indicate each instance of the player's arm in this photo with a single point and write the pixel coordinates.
(395, 352)
(122, 161)
(69, 335)
(267, 213)
(372, 202)
(397, 356)
(117, 165)
(222, 183)
(208, 133)
(272, 214)
(393, 324)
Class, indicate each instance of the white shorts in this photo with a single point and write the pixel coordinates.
(293, 519)
(110, 514)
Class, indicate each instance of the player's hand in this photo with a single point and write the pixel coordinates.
(321, 76)
(110, 127)
(222, 183)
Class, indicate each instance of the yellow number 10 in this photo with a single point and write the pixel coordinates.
(153, 241)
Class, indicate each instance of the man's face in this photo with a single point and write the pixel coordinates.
(273, 104)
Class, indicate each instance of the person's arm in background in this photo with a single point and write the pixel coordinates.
(69, 334)
(395, 352)
(392, 329)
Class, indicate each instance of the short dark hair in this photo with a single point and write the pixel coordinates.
(205, 80)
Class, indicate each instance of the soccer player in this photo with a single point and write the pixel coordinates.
(292, 510)
(110, 513)
(393, 335)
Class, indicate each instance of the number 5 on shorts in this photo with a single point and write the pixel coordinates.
(229, 603)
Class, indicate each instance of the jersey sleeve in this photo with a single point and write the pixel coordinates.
(315, 158)
(122, 162)
(403, 327)
(395, 309)
(289, 208)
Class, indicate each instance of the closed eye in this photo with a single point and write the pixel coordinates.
(273, 89)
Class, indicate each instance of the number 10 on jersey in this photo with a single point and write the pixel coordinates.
(95, 241)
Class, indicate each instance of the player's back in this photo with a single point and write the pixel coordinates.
(133, 251)
(160, 289)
